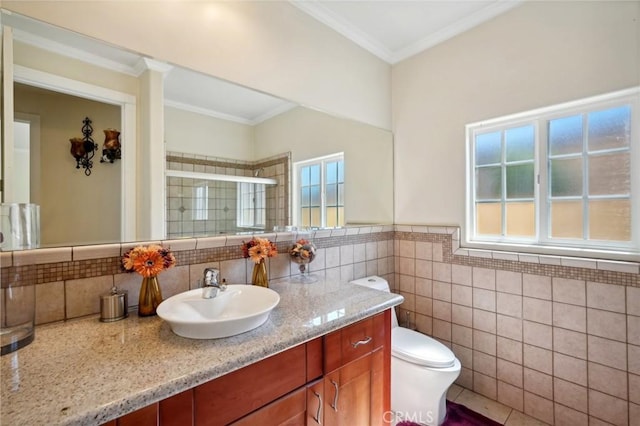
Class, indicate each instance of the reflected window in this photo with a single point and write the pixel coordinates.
(200, 201)
(319, 200)
(251, 205)
(560, 176)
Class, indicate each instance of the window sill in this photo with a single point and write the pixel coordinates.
(591, 259)
(570, 257)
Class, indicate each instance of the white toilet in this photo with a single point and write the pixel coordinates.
(422, 369)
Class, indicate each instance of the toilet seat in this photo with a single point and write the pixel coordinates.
(420, 349)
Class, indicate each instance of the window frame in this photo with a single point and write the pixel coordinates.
(339, 156)
(541, 242)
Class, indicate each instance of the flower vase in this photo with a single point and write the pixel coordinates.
(150, 296)
(259, 276)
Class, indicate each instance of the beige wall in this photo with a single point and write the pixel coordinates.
(74, 208)
(537, 54)
(194, 133)
(271, 46)
(368, 153)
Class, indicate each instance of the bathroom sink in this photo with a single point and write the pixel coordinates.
(238, 309)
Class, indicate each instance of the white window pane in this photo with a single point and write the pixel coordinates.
(332, 172)
(314, 174)
(566, 219)
(610, 128)
(610, 220)
(520, 143)
(305, 179)
(489, 218)
(488, 183)
(566, 177)
(305, 196)
(520, 181)
(521, 219)
(332, 194)
(488, 148)
(565, 135)
(315, 195)
(610, 174)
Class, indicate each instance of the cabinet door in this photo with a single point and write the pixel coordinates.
(315, 406)
(380, 389)
(286, 411)
(347, 393)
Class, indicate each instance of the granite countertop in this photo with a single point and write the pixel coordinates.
(88, 372)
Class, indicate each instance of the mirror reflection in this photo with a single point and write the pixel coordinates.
(210, 126)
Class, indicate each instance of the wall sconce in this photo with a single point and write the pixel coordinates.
(83, 149)
(111, 147)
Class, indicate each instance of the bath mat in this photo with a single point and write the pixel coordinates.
(459, 415)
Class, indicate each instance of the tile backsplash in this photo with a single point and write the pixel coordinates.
(556, 338)
(69, 280)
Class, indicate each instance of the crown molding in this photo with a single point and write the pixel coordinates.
(145, 64)
(72, 52)
(207, 112)
(318, 11)
(334, 21)
(454, 29)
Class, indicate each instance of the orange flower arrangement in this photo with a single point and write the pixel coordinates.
(148, 261)
(258, 249)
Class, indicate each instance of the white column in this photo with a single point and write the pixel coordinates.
(151, 153)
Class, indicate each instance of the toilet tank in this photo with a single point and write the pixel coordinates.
(378, 283)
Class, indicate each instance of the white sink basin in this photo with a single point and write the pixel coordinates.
(238, 309)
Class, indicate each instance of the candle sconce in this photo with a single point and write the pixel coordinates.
(83, 149)
(111, 148)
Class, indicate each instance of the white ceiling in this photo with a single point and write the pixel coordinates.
(393, 30)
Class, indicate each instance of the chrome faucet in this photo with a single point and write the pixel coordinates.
(210, 285)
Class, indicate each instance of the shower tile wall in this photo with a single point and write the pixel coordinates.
(559, 343)
(220, 215)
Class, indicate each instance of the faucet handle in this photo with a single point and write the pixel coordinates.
(210, 276)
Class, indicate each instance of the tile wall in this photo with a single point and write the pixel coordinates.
(69, 280)
(555, 338)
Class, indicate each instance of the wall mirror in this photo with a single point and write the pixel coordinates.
(206, 121)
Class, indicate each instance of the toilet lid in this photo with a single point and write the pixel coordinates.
(420, 349)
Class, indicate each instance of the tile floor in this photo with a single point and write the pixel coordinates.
(489, 408)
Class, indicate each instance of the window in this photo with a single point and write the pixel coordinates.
(251, 205)
(564, 176)
(319, 193)
(200, 201)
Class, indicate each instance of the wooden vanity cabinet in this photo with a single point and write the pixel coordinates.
(357, 373)
(342, 378)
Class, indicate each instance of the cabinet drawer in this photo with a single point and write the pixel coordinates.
(357, 340)
(286, 411)
(352, 342)
(234, 395)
